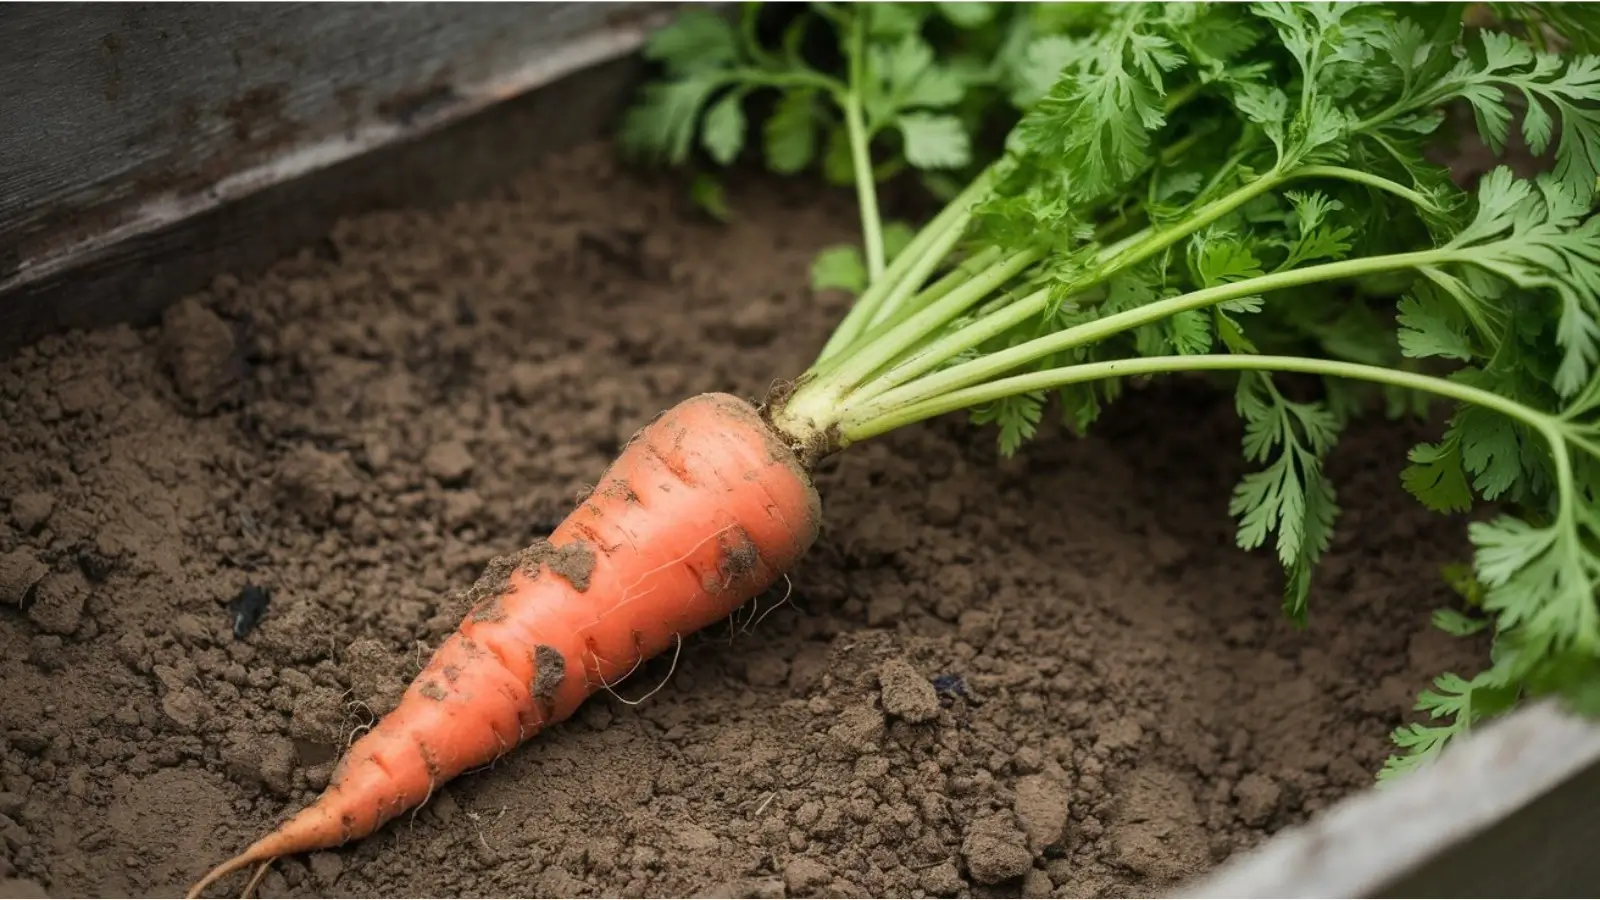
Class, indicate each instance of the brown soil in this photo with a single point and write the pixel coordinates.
(1049, 675)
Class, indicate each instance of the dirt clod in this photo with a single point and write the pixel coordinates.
(269, 761)
(186, 708)
(1258, 797)
(859, 729)
(449, 461)
(995, 852)
(767, 672)
(1081, 611)
(326, 868)
(906, 694)
(574, 561)
(31, 509)
(317, 717)
(58, 602)
(20, 572)
(804, 875)
(198, 349)
(276, 765)
(943, 880)
(1042, 805)
(374, 676)
(550, 669)
(461, 508)
(525, 380)
(312, 481)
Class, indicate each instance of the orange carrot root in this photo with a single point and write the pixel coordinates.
(701, 512)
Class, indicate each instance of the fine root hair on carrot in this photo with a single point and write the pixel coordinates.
(415, 810)
(653, 691)
(788, 591)
(752, 614)
(351, 707)
(702, 511)
(599, 669)
(356, 732)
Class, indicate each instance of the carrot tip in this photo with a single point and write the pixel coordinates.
(228, 868)
(255, 880)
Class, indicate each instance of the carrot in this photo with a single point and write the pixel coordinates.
(703, 510)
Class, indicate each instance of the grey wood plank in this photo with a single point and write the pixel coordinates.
(114, 203)
(110, 106)
(132, 279)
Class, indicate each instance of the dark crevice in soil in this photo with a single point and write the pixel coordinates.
(1049, 675)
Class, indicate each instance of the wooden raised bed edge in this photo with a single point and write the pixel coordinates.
(175, 142)
(1505, 812)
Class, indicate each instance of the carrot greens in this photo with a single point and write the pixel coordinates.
(1246, 192)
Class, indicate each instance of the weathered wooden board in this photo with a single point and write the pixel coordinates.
(144, 145)
(1506, 812)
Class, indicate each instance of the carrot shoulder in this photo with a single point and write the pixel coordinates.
(704, 509)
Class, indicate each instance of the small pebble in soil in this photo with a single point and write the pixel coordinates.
(948, 687)
(247, 608)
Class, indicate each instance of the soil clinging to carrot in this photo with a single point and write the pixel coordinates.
(573, 562)
(550, 669)
(1051, 675)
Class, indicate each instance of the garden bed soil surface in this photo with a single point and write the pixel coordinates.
(1049, 675)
